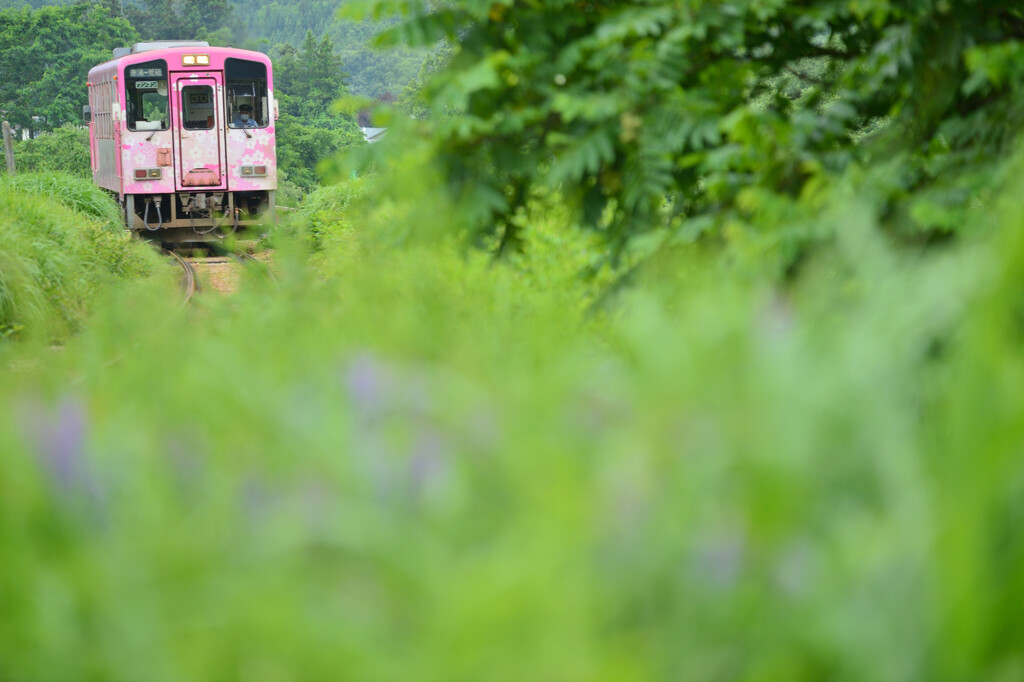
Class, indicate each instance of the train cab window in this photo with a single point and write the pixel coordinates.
(246, 88)
(146, 96)
(197, 107)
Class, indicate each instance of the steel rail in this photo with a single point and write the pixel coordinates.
(189, 282)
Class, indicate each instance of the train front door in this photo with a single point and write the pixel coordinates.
(199, 131)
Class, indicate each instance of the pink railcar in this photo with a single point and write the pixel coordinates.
(183, 134)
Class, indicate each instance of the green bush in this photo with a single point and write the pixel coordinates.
(300, 147)
(65, 150)
(56, 259)
(325, 212)
(288, 193)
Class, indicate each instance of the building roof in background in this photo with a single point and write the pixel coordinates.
(373, 134)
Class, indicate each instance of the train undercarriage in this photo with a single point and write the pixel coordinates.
(184, 217)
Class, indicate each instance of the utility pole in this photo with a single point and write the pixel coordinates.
(8, 148)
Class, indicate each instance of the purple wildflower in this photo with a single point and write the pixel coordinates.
(59, 440)
(426, 461)
(365, 381)
(718, 560)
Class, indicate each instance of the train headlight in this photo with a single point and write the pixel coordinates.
(188, 60)
(252, 171)
(203, 59)
(147, 173)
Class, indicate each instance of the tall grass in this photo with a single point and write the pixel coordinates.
(418, 463)
(78, 194)
(59, 247)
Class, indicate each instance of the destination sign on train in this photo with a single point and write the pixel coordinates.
(146, 72)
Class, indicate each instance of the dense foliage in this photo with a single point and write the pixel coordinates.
(677, 119)
(61, 245)
(45, 56)
(64, 150)
(262, 25)
(309, 80)
(411, 100)
(373, 72)
(34, 4)
(418, 464)
(176, 19)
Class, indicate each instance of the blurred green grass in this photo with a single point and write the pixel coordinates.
(415, 462)
(60, 247)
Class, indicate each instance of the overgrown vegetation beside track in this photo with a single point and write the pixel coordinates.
(65, 150)
(418, 462)
(61, 245)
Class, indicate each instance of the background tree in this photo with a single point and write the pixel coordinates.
(308, 81)
(411, 101)
(676, 120)
(34, 4)
(179, 19)
(45, 56)
(210, 14)
(301, 148)
(372, 71)
(153, 19)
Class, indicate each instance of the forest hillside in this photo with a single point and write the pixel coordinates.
(264, 25)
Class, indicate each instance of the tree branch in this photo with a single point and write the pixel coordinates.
(830, 52)
(806, 76)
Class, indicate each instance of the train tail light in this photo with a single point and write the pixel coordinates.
(148, 173)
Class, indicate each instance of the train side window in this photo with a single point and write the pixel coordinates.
(246, 84)
(197, 107)
(146, 96)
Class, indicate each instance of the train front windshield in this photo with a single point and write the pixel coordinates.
(246, 87)
(146, 96)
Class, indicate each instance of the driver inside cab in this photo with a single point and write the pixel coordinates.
(244, 117)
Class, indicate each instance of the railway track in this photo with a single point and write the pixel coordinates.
(189, 287)
(189, 282)
(223, 277)
(255, 264)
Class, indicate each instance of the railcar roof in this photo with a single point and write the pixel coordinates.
(179, 47)
(157, 45)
